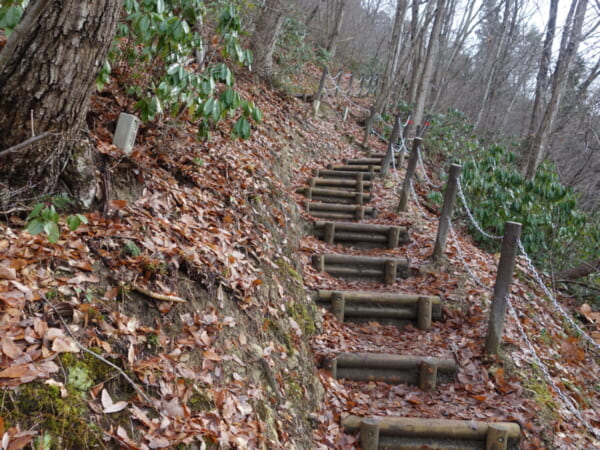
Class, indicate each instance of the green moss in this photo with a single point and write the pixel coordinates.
(61, 420)
(287, 268)
(304, 315)
(200, 401)
(542, 395)
(278, 331)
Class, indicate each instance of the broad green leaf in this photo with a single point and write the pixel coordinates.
(34, 227)
(51, 229)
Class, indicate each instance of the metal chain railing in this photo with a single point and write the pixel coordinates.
(555, 302)
(425, 177)
(471, 217)
(461, 256)
(566, 399)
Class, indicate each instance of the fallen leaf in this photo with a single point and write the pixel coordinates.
(107, 403)
(7, 273)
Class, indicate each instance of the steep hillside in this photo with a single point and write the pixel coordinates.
(191, 293)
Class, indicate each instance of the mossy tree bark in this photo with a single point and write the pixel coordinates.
(47, 72)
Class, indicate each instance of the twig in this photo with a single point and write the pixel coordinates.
(133, 384)
(156, 296)
(26, 143)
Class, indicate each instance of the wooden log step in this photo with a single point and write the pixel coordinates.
(341, 183)
(387, 269)
(335, 195)
(338, 211)
(389, 308)
(380, 156)
(414, 433)
(424, 371)
(370, 161)
(325, 173)
(354, 168)
(361, 233)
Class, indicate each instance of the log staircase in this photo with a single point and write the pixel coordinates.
(340, 193)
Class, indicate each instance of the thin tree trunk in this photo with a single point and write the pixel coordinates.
(390, 67)
(499, 47)
(569, 43)
(541, 84)
(47, 72)
(331, 48)
(425, 85)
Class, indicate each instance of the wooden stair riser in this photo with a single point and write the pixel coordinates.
(345, 307)
(394, 369)
(354, 233)
(346, 266)
(335, 196)
(325, 173)
(367, 169)
(371, 161)
(414, 433)
(340, 183)
(338, 211)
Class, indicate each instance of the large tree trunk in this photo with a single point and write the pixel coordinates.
(569, 43)
(265, 36)
(47, 73)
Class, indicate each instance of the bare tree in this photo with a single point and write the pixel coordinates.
(425, 84)
(331, 47)
(568, 49)
(390, 68)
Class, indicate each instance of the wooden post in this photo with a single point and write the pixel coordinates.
(389, 154)
(319, 262)
(350, 83)
(446, 216)
(359, 182)
(389, 275)
(360, 213)
(308, 193)
(338, 305)
(329, 232)
(330, 365)
(410, 171)
(424, 313)
(345, 114)
(428, 370)
(512, 232)
(369, 434)
(496, 438)
(359, 198)
(393, 237)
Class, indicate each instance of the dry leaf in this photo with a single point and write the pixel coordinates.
(64, 345)
(7, 273)
(107, 403)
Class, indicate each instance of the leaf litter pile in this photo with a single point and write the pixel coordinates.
(216, 214)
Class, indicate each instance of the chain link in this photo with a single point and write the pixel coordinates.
(471, 218)
(427, 180)
(555, 302)
(474, 277)
(567, 400)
